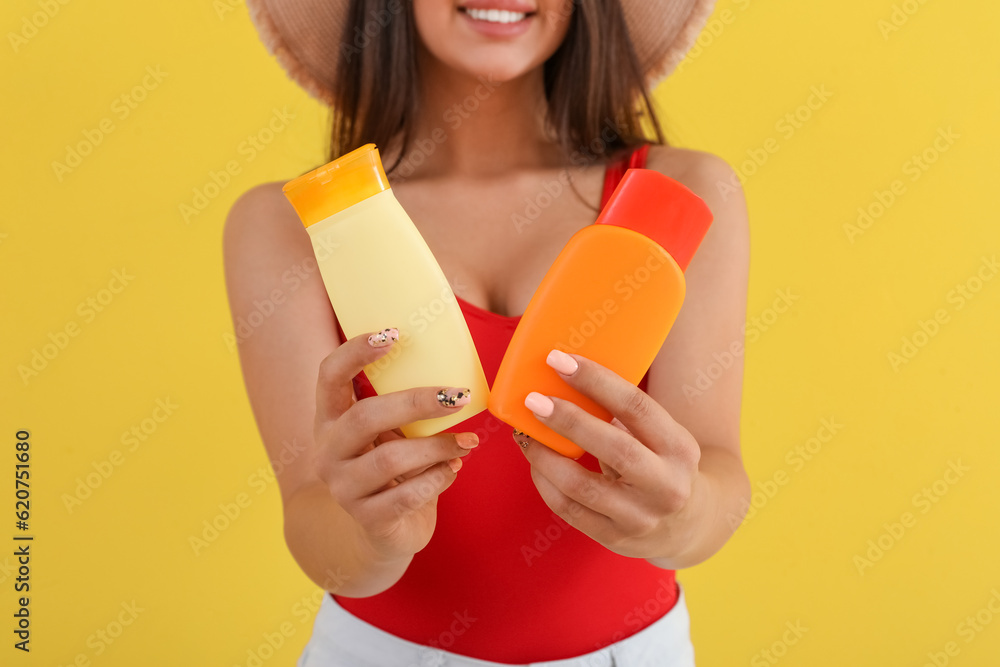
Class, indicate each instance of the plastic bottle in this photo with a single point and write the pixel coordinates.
(379, 272)
(611, 296)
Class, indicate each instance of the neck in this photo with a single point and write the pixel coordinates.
(478, 126)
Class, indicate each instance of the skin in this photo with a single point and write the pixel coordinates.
(359, 499)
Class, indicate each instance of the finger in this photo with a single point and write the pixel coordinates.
(376, 414)
(608, 471)
(631, 459)
(389, 436)
(523, 440)
(646, 419)
(588, 521)
(404, 459)
(407, 497)
(334, 390)
(615, 533)
(567, 482)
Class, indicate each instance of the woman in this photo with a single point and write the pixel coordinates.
(504, 125)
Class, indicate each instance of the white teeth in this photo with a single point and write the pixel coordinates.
(496, 15)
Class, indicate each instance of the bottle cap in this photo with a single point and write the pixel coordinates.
(335, 186)
(660, 208)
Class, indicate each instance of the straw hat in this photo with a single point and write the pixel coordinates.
(304, 35)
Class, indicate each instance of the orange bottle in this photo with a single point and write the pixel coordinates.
(611, 296)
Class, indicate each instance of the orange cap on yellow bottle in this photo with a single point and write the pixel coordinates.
(359, 175)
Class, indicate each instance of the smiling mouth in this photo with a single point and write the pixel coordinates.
(496, 15)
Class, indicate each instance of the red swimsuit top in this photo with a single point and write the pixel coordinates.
(504, 578)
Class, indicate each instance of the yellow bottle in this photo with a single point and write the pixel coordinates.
(379, 272)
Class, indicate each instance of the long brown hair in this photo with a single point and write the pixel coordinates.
(593, 82)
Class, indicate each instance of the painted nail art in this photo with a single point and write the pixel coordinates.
(521, 438)
(384, 337)
(453, 398)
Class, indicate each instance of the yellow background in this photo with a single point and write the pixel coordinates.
(826, 357)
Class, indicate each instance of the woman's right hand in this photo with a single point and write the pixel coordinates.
(388, 483)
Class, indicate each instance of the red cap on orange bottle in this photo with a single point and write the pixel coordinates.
(661, 209)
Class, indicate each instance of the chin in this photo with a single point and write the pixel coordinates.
(500, 44)
(494, 67)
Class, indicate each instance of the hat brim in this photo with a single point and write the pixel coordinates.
(662, 33)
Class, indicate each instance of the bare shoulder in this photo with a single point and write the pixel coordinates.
(712, 319)
(706, 174)
(283, 322)
(262, 234)
(264, 200)
(259, 215)
(716, 182)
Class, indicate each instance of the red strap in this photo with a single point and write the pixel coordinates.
(638, 157)
(615, 171)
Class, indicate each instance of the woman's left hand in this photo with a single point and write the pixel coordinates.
(650, 463)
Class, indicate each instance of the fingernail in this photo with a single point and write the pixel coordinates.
(467, 440)
(562, 362)
(454, 398)
(539, 404)
(521, 438)
(455, 465)
(384, 337)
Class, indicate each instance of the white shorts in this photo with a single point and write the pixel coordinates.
(340, 639)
